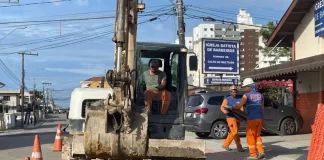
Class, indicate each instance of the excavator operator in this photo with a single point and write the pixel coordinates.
(155, 81)
(233, 123)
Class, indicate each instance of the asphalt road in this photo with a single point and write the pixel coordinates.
(17, 144)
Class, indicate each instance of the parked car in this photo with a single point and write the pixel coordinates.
(204, 117)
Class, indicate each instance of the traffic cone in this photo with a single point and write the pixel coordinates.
(37, 151)
(57, 147)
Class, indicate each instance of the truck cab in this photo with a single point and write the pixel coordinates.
(172, 58)
(173, 62)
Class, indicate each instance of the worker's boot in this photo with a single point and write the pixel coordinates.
(261, 156)
(252, 158)
(227, 148)
(240, 149)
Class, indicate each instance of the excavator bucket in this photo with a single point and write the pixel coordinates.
(101, 141)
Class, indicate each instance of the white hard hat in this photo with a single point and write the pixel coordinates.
(233, 87)
(247, 81)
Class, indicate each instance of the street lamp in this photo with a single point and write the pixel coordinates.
(11, 32)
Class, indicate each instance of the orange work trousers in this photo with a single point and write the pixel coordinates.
(253, 138)
(165, 97)
(234, 126)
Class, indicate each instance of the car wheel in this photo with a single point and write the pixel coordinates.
(288, 127)
(202, 134)
(219, 130)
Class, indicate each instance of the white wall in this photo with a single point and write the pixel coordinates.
(307, 82)
(306, 44)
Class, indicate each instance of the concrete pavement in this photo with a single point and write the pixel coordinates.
(16, 144)
(276, 148)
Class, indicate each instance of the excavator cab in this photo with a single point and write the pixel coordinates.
(172, 60)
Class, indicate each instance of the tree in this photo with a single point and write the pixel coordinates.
(38, 94)
(276, 52)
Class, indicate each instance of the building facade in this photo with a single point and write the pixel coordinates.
(13, 97)
(297, 30)
(93, 82)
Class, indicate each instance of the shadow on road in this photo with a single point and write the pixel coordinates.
(25, 140)
(46, 126)
(271, 150)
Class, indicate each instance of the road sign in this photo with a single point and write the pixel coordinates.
(220, 57)
(218, 81)
(319, 18)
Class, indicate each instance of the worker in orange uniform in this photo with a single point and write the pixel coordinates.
(155, 81)
(254, 102)
(233, 123)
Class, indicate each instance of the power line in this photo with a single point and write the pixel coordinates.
(210, 14)
(222, 21)
(9, 73)
(231, 13)
(28, 4)
(54, 38)
(60, 20)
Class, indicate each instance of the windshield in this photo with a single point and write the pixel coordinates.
(164, 101)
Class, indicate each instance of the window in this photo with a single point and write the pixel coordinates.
(216, 100)
(267, 103)
(189, 41)
(174, 69)
(84, 106)
(212, 29)
(242, 43)
(195, 101)
(242, 62)
(242, 56)
(6, 98)
(256, 56)
(242, 69)
(205, 29)
(256, 49)
(211, 36)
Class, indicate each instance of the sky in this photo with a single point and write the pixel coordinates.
(73, 37)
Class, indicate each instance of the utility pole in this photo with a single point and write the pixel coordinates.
(181, 24)
(34, 101)
(44, 97)
(23, 84)
(47, 97)
(181, 35)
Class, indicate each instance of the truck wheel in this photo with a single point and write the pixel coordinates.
(202, 134)
(288, 127)
(219, 130)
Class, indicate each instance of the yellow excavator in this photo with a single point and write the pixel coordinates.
(114, 123)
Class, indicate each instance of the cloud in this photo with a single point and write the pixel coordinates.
(56, 3)
(92, 71)
(82, 2)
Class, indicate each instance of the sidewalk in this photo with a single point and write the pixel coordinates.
(28, 127)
